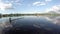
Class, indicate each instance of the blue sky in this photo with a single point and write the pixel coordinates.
(29, 6)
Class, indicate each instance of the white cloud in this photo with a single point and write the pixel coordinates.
(39, 3)
(17, 1)
(4, 6)
(48, 0)
(54, 8)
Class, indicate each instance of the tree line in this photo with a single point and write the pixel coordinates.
(36, 14)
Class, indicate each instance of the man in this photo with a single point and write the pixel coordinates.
(10, 20)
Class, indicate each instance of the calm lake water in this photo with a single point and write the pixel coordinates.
(42, 24)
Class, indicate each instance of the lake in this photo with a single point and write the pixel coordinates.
(31, 24)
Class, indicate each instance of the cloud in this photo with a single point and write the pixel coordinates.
(48, 0)
(17, 1)
(55, 8)
(4, 6)
(39, 3)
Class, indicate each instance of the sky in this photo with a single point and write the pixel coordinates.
(29, 6)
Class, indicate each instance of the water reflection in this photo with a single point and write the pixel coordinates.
(51, 24)
(55, 20)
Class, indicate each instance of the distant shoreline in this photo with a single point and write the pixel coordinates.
(13, 15)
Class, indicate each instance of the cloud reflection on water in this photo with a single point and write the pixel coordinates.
(48, 23)
(55, 20)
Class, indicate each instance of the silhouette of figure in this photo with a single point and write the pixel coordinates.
(10, 20)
